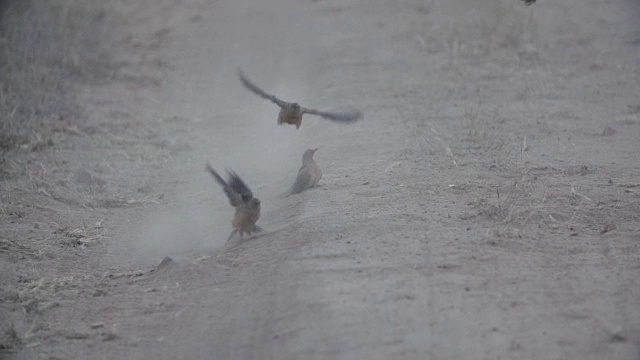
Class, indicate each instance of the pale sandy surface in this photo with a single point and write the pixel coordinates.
(487, 207)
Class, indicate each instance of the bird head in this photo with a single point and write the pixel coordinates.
(308, 155)
(295, 107)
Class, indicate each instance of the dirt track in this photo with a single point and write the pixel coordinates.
(486, 207)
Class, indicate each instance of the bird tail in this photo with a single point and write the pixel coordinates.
(284, 194)
(294, 189)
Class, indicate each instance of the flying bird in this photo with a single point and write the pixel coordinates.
(308, 176)
(528, 2)
(291, 112)
(240, 197)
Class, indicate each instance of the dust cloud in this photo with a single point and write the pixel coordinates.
(266, 156)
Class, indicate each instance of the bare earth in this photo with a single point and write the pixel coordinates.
(486, 207)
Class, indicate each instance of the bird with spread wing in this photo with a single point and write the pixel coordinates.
(240, 197)
(291, 112)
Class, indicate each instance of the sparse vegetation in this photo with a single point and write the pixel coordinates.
(480, 194)
(49, 49)
(46, 48)
(487, 26)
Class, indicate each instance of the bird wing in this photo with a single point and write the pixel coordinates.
(256, 90)
(236, 183)
(343, 117)
(235, 198)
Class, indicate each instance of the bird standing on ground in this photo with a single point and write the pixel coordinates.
(308, 176)
(241, 198)
(291, 113)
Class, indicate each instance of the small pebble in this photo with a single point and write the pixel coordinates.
(109, 336)
(607, 228)
(608, 131)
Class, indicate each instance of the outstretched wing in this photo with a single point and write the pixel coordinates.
(236, 183)
(234, 197)
(342, 117)
(256, 90)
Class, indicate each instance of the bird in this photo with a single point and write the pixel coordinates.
(308, 176)
(240, 197)
(528, 2)
(291, 112)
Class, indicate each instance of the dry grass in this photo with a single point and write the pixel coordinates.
(492, 25)
(82, 236)
(537, 195)
(46, 47)
(10, 341)
(508, 202)
(8, 246)
(482, 131)
(49, 49)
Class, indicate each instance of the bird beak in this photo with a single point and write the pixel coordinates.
(314, 150)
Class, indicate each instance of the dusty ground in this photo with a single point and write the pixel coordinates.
(486, 207)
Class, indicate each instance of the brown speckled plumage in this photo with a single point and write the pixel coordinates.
(291, 113)
(241, 198)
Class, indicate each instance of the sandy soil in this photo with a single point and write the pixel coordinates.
(486, 207)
